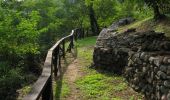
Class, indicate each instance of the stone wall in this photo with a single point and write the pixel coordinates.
(142, 57)
(149, 73)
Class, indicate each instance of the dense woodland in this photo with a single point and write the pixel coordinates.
(28, 28)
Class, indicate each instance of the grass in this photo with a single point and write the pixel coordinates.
(149, 24)
(85, 48)
(62, 89)
(86, 42)
(135, 24)
(100, 85)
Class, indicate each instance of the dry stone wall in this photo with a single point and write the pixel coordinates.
(149, 73)
(142, 57)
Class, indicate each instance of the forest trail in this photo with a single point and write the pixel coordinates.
(71, 74)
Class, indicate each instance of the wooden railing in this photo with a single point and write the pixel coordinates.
(43, 88)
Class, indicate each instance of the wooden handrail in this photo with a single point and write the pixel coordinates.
(42, 88)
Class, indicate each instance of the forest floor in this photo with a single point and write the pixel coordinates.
(81, 82)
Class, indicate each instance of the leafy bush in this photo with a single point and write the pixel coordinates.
(10, 80)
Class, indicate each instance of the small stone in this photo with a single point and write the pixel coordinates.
(129, 69)
(130, 53)
(142, 55)
(152, 67)
(166, 60)
(144, 69)
(151, 59)
(149, 80)
(152, 75)
(137, 55)
(146, 58)
(139, 61)
(161, 59)
(163, 89)
(161, 75)
(156, 62)
(137, 70)
(130, 63)
(167, 83)
(144, 63)
(136, 80)
(163, 68)
(156, 69)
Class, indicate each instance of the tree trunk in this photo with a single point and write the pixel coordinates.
(93, 21)
(157, 14)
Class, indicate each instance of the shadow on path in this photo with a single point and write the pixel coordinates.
(65, 62)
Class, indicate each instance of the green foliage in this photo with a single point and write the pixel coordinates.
(62, 89)
(162, 4)
(133, 8)
(159, 7)
(10, 79)
(93, 85)
(89, 41)
(97, 85)
(108, 11)
(19, 34)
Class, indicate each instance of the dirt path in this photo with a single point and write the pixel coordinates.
(71, 74)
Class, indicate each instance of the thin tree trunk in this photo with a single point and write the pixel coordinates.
(157, 14)
(93, 21)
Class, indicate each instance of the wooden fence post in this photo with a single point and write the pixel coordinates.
(63, 50)
(59, 62)
(72, 41)
(55, 58)
(75, 36)
(48, 91)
